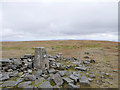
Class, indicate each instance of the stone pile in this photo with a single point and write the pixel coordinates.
(46, 71)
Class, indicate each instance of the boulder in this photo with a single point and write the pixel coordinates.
(4, 76)
(81, 68)
(71, 85)
(75, 78)
(10, 83)
(57, 79)
(84, 81)
(62, 73)
(29, 77)
(24, 84)
(45, 84)
(68, 80)
(51, 71)
(13, 74)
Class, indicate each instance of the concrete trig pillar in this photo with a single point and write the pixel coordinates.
(41, 59)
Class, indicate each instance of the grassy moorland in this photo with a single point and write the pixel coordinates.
(105, 52)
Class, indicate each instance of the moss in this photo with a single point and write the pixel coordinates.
(52, 83)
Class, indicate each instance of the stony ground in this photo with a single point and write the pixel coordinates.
(73, 73)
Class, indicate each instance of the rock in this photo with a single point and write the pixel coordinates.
(4, 76)
(86, 52)
(24, 84)
(68, 80)
(75, 78)
(92, 61)
(38, 73)
(29, 71)
(71, 85)
(14, 74)
(45, 84)
(110, 82)
(86, 62)
(91, 75)
(86, 57)
(57, 79)
(107, 74)
(19, 80)
(84, 81)
(81, 68)
(62, 73)
(114, 70)
(58, 65)
(76, 63)
(17, 62)
(90, 79)
(10, 83)
(45, 76)
(51, 76)
(10, 70)
(29, 77)
(28, 55)
(76, 74)
(56, 86)
(51, 71)
(41, 79)
(20, 74)
(14, 67)
(51, 59)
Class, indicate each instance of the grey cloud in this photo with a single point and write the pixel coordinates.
(58, 20)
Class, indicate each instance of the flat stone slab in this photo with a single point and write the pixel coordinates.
(71, 85)
(4, 76)
(24, 84)
(68, 80)
(10, 83)
(84, 81)
(57, 79)
(45, 85)
(81, 68)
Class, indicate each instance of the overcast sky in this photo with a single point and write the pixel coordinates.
(68, 19)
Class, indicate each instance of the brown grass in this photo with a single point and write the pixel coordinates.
(102, 51)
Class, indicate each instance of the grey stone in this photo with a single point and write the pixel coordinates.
(75, 78)
(57, 79)
(114, 70)
(58, 65)
(28, 77)
(92, 61)
(45, 84)
(17, 62)
(24, 84)
(81, 68)
(91, 75)
(90, 79)
(51, 71)
(62, 73)
(76, 63)
(10, 83)
(68, 80)
(51, 76)
(56, 86)
(10, 70)
(4, 76)
(110, 82)
(84, 81)
(45, 76)
(86, 62)
(71, 85)
(41, 60)
(14, 67)
(14, 74)
(29, 71)
(38, 73)
(19, 80)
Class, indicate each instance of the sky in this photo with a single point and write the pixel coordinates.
(59, 20)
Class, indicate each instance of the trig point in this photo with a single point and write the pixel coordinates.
(41, 59)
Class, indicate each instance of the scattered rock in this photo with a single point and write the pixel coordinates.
(81, 68)
(91, 75)
(75, 78)
(4, 76)
(45, 84)
(84, 81)
(10, 83)
(51, 71)
(14, 74)
(92, 61)
(29, 77)
(68, 80)
(24, 84)
(71, 85)
(57, 79)
(62, 73)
